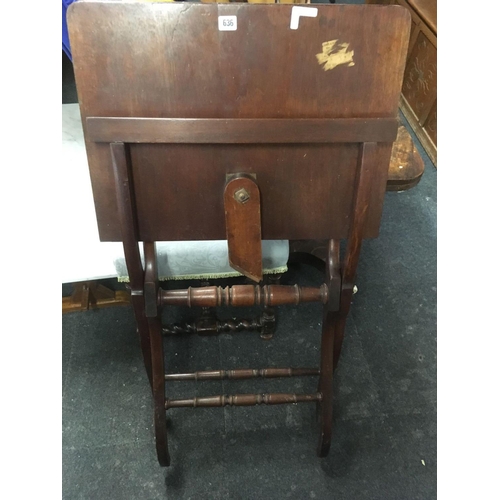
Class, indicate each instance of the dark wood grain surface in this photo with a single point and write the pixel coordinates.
(136, 61)
(240, 130)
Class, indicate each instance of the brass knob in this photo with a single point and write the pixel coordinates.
(241, 196)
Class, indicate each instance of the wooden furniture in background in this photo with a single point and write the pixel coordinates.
(169, 126)
(419, 93)
(93, 295)
(406, 166)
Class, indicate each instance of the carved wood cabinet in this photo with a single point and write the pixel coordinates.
(419, 93)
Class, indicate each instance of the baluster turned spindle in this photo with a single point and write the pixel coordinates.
(244, 374)
(242, 400)
(243, 296)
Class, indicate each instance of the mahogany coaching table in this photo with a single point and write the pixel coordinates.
(245, 123)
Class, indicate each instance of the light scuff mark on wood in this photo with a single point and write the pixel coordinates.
(334, 54)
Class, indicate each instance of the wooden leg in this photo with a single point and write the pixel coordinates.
(341, 290)
(143, 334)
(153, 314)
(160, 414)
(325, 386)
(339, 338)
(122, 172)
(143, 292)
(329, 331)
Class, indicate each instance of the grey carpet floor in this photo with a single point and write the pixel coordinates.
(384, 444)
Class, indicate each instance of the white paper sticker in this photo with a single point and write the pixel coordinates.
(299, 11)
(227, 23)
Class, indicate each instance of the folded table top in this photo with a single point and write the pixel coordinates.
(234, 61)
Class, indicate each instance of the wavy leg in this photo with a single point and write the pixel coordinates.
(160, 414)
(325, 386)
(143, 334)
(337, 309)
(328, 336)
(122, 171)
(339, 338)
(153, 314)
